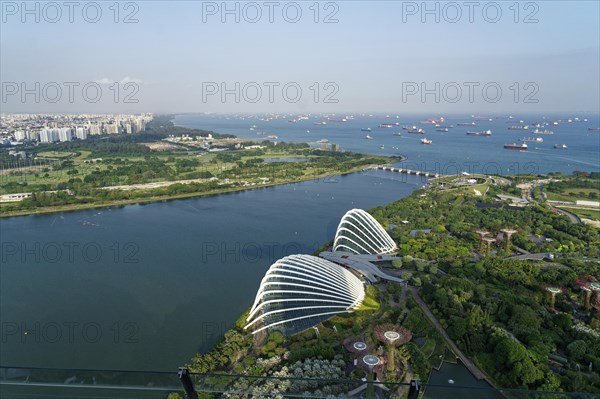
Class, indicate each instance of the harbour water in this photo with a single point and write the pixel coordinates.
(451, 152)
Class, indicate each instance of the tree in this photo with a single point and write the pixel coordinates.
(577, 350)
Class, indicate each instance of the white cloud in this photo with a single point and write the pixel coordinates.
(128, 79)
(104, 81)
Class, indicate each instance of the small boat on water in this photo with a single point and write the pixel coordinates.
(482, 133)
(323, 141)
(425, 141)
(368, 137)
(382, 146)
(561, 146)
(272, 137)
(515, 146)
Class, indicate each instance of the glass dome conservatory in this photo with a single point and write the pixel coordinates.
(359, 233)
(300, 291)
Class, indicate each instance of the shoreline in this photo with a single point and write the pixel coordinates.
(149, 200)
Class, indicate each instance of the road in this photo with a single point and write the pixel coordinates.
(476, 371)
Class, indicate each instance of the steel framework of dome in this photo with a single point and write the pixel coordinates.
(300, 291)
(359, 233)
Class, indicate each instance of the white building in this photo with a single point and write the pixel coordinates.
(20, 135)
(64, 134)
(95, 130)
(111, 128)
(48, 135)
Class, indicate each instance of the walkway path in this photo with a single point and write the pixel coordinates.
(478, 373)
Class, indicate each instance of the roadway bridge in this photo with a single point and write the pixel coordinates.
(408, 171)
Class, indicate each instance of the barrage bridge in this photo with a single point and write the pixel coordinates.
(407, 171)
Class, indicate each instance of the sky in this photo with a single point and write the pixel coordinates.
(299, 57)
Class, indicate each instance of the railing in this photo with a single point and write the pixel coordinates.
(17, 382)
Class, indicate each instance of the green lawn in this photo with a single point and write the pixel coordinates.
(428, 347)
(584, 213)
(573, 194)
(55, 154)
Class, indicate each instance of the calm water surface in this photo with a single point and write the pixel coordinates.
(451, 152)
(144, 287)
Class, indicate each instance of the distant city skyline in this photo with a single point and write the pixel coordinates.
(379, 57)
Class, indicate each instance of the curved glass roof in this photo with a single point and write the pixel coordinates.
(300, 291)
(359, 233)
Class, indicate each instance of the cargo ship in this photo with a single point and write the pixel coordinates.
(415, 130)
(398, 134)
(593, 129)
(442, 130)
(561, 146)
(482, 133)
(515, 146)
(425, 141)
(368, 137)
(387, 125)
(538, 131)
(519, 127)
(433, 121)
(536, 139)
(466, 124)
(365, 129)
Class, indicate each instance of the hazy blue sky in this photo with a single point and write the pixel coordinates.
(372, 54)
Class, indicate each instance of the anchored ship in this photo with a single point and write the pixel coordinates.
(536, 139)
(482, 133)
(515, 146)
(414, 130)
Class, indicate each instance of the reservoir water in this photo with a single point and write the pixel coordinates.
(144, 287)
